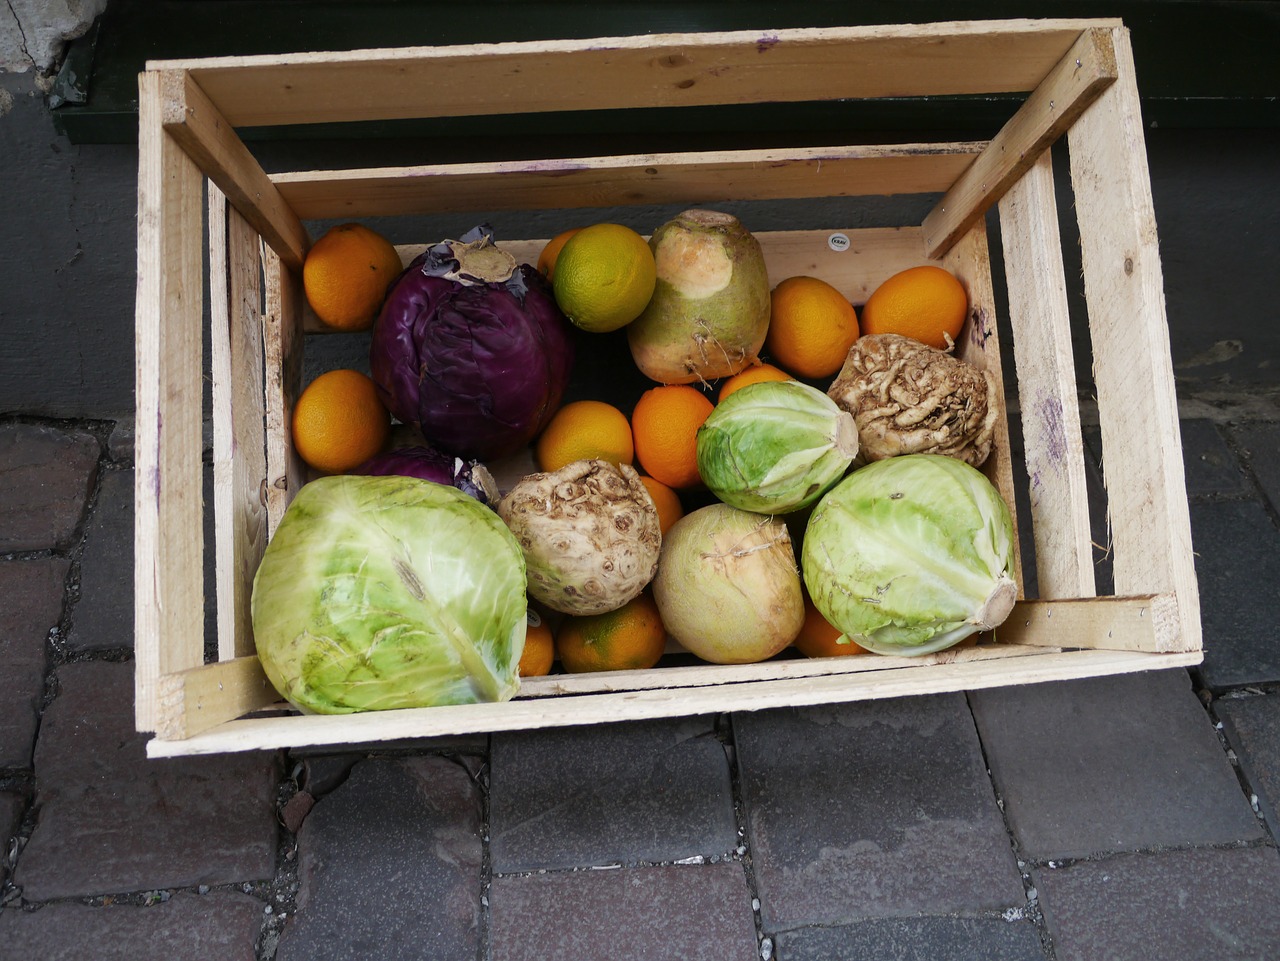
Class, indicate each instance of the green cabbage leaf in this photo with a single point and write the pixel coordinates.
(911, 555)
(382, 592)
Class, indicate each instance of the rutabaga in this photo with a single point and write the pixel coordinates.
(389, 592)
(911, 555)
(727, 585)
(775, 447)
(709, 313)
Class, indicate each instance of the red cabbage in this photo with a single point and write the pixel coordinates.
(471, 348)
(470, 477)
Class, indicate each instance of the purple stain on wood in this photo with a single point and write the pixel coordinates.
(1053, 432)
(979, 328)
(767, 43)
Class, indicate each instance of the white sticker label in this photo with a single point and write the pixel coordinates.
(532, 618)
(838, 242)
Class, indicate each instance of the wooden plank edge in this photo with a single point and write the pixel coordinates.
(940, 31)
(283, 732)
(1077, 81)
(1148, 623)
(199, 699)
(1044, 366)
(196, 124)
(627, 180)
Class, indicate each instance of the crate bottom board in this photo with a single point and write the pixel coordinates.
(1023, 665)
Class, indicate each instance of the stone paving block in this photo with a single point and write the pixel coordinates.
(1202, 904)
(11, 806)
(389, 865)
(187, 927)
(1210, 465)
(1260, 444)
(103, 616)
(111, 820)
(874, 809)
(46, 476)
(610, 794)
(1238, 567)
(915, 939)
(694, 912)
(1110, 764)
(1252, 727)
(31, 595)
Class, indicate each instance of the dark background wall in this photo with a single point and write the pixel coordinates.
(67, 239)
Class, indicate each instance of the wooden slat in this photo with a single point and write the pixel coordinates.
(639, 71)
(282, 370)
(1079, 79)
(680, 178)
(979, 345)
(192, 120)
(1045, 368)
(200, 699)
(239, 444)
(269, 733)
(1133, 370)
(168, 540)
(1146, 623)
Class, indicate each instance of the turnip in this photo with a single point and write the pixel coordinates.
(709, 313)
(727, 586)
(589, 533)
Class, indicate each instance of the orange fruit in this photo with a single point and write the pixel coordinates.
(339, 422)
(924, 303)
(666, 500)
(604, 277)
(665, 425)
(585, 430)
(631, 638)
(755, 374)
(539, 648)
(346, 275)
(819, 638)
(811, 326)
(547, 259)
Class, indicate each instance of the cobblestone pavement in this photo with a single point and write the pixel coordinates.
(1131, 817)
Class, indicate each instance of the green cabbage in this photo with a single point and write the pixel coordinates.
(911, 555)
(382, 592)
(775, 447)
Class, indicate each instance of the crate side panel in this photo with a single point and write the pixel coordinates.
(970, 261)
(1088, 68)
(1133, 371)
(584, 182)
(239, 441)
(269, 733)
(668, 70)
(168, 532)
(282, 371)
(1045, 369)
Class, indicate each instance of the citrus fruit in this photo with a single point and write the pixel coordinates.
(819, 638)
(339, 422)
(630, 638)
(585, 430)
(665, 425)
(346, 274)
(811, 326)
(924, 303)
(666, 500)
(755, 374)
(604, 277)
(539, 648)
(547, 259)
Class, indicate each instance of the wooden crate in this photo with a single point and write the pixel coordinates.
(204, 203)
